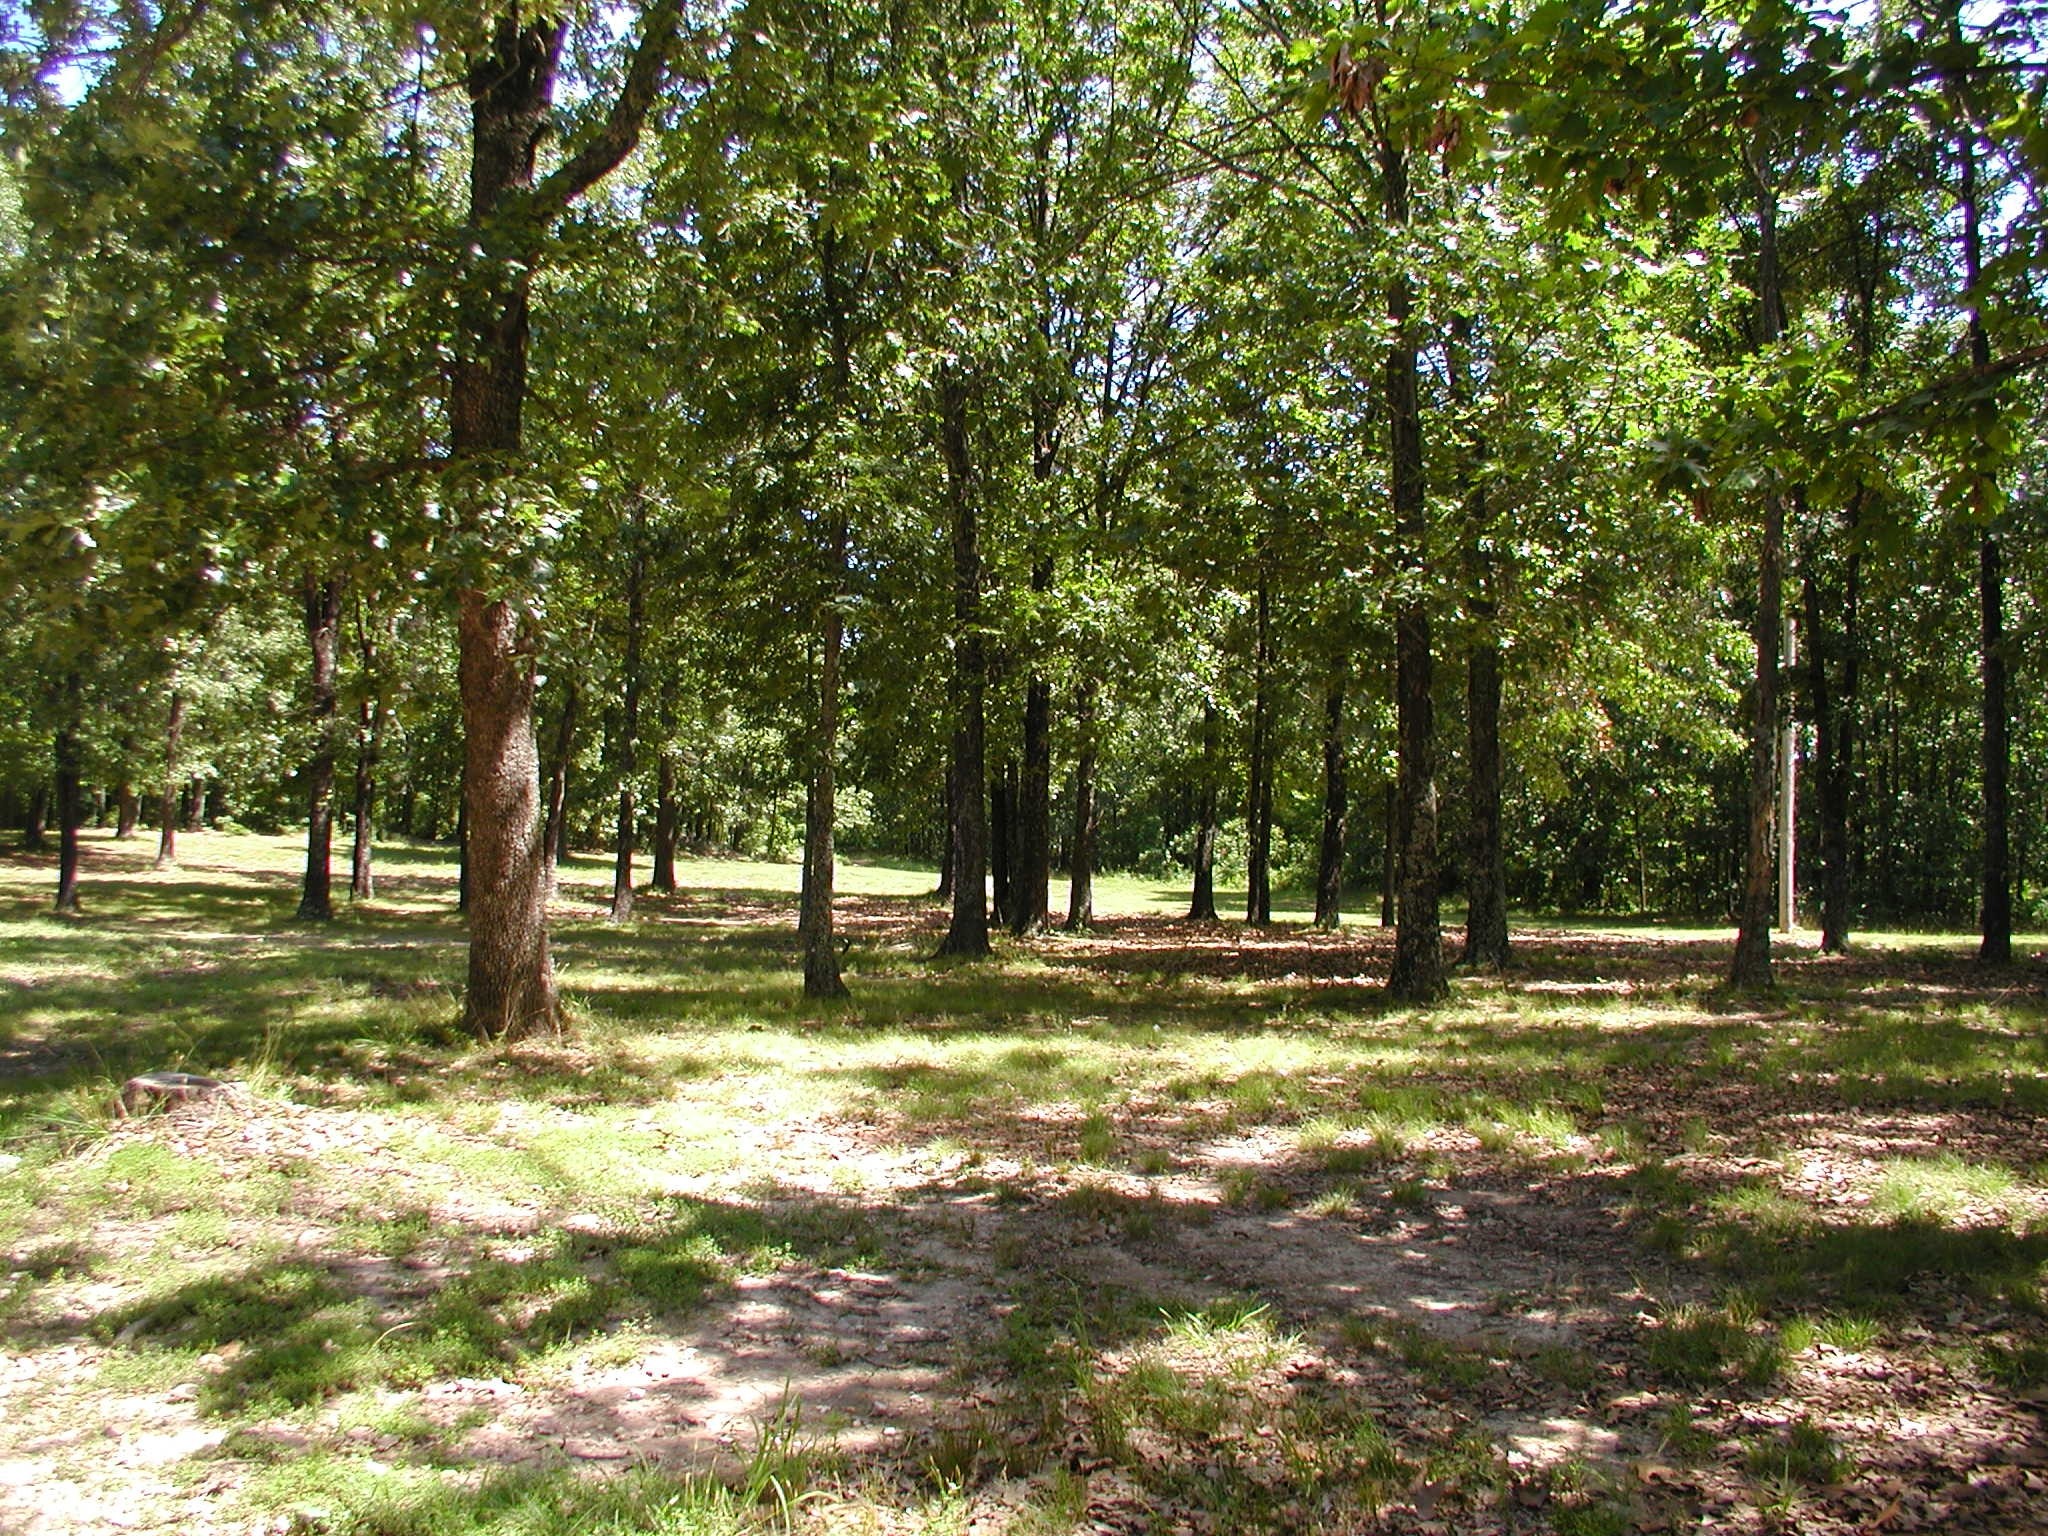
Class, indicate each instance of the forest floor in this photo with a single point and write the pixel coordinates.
(1168, 1228)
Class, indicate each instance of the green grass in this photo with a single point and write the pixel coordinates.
(1065, 1113)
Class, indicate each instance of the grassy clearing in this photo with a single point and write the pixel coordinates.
(1160, 1225)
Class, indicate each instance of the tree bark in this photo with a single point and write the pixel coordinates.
(1002, 841)
(320, 603)
(70, 807)
(511, 989)
(511, 976)
(968, 933)
(1202, 903)
(1834, 729)
(167, 803)
(1258, 900)
(1390, 811)
(1330, 862)
(1081, 864)
(629, 734)
(127, 803)
(949, 850)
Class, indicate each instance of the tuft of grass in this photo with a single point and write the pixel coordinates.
(1943, 1188)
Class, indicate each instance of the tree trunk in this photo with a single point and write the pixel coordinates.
(667, 824)
(1202, 905)
(70, 807)
(1258, 900)
(128, 804)
(320, 603)
(511, 992)
(1390, 836)
(1330, 863)
(968, 933)
(821, 955)
(1486, 885)
(167, 804)
(1032, 877)
(1081, 866)
(555, 834)
(629, 735)
(1750, 969)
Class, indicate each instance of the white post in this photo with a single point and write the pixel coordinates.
(1788, 761)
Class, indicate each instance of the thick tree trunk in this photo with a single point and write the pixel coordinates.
(1202, 905)
(320, 603)
(555, 831)
(167, 803)
(968, 933)
(1032, 877)
(1390, 837)
(1330, 863)
(511, 991)
(667, 824)
(1081, 864)
(629, 738)
(1486, 885)
(821, 954)
(1258, 901)
(1750, 970)
(70, 807)
(195, 804)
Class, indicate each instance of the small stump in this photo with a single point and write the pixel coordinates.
(159, 1090)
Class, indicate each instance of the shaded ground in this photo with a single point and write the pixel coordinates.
(1157, 1229)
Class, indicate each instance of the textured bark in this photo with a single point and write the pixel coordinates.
(167, 803)
(1750, 970)
(629, 739)
(70, 806)
(1081, 865)
(1258, 900)
(511, 992)
(1330, 862)
(34, 830)
(968, 931)
(1486, 883)
(1202, 904)
(320, 605)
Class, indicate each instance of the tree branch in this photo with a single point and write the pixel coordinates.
(621, 130)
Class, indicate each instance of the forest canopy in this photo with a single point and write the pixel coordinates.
(1418, 455)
